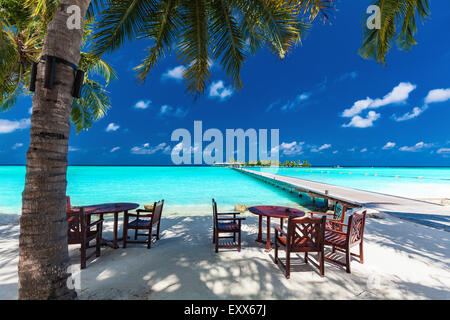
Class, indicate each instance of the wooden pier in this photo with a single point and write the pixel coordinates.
(427, 213)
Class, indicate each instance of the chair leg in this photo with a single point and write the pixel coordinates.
(333, 250)
(306, 257)
(321, 263)
(149, 244)
(239, 240)
(347, 260)
(98, 241)
(276, 251)
(125, 231)
(288, 264)
(157, 230)
(214, 235)
(361, 253)
(83, 255)
(135, 234)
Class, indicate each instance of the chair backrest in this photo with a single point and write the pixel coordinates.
(75, 225)
(339, 214)
(214, 207)
(308, 232)
(157, 211)
(355, 230)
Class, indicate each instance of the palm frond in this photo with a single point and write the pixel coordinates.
(162, 28)
(395, 15)
(227, 40)
(123, 19)
(92, 64)
(92, 106)
(193, 45)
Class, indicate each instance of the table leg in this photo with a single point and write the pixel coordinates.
(260, 229)
(281, 223)
(116, 222)
(268, 244)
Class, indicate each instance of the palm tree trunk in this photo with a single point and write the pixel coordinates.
(43, 249)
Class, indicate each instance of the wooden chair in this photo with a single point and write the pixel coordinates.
(344, 241)
(80, 232)
(226, 225)
(338, 216)
(151, 220)
(302, 235)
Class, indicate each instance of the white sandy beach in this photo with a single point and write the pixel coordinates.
(403, 260)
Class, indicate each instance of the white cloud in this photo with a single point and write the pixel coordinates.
(291, 148)
(30, 110)
(335, 152)
(398, 95)
(359, 122)
(438, 95)
(321, 148)
(364, 150)
(417, 147)
(17, 145)
(147, 149)
(114, 149)
(143, 104)
(433, 96)
(219, 90)
(357, 107)
(7, 126)
(389, 145)
(415, 112)
(176, 73)
(112, 127)
(167, 110)
(72, 149)
(443, 151)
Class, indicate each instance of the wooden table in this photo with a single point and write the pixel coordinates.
(115, 208)
(272, 212)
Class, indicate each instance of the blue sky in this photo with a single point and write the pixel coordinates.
(331, 106)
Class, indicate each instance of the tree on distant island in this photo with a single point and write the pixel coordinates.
(201, 31)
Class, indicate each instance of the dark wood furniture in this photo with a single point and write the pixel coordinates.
(344, 241)
(82, 232)
(272, 212)
(338, 216)
(226, 225)
(109, 208)
(144, 220)
(302, 235)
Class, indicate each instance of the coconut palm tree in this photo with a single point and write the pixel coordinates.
(21, 44)
(201, 31)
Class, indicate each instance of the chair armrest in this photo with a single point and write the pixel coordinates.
(335, 231)
(139, 215)
(143, 210)
(228, 219)
(322, 213)
(99, 221)
(225, 213)
(337, 222)
(277, 228)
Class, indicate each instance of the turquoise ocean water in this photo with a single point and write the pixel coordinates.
(423, 182)
(188, 190)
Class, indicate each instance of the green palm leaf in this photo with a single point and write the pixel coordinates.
(395, 15)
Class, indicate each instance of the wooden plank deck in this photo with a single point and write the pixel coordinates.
(427, 213)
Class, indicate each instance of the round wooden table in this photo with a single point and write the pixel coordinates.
(272, 212)
(106, 208)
